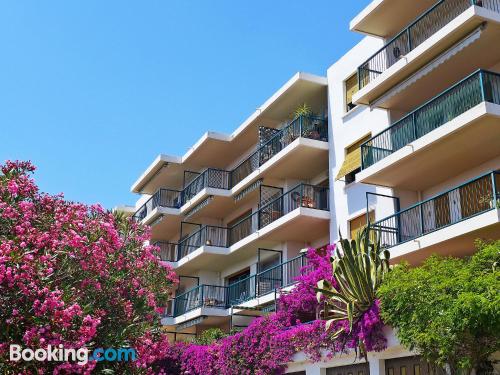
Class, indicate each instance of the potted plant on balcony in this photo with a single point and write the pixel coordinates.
(489, 201)
(309, 125)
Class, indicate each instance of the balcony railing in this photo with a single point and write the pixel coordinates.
(302, 195)
(265, 282)
(201, 296)
(168, 251)
(306, 127)
(258, 285)
(461, 203)
(415, 34)
(207, 235)
(210, 178)
(162, 198)
(481, 86)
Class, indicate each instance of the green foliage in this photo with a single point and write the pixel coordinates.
(448, 309)
(302, 110)
(358, 272)
(209, 336)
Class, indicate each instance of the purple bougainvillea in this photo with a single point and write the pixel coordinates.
(269, 343)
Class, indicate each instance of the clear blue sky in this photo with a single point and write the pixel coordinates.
(92, 91)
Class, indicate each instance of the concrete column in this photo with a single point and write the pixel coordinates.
(377, 366)
(315, 369)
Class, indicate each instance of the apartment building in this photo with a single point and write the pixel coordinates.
(233, 214)
(404, 134)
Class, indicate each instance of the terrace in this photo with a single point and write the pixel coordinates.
(460, 123)
(447, 223)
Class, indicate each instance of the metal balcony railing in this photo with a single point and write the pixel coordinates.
(302, 195)
(303, 126)
(223, 297)
(426, 25)
(267, 281)
(207, 235)
(481, 86)
(460, 203)
(162, 198)
(210, 178)
(201, 296)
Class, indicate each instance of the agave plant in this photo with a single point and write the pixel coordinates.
(358, 267)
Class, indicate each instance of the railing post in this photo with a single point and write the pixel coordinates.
(408, 36)
(414, 124)
(256, 283)
(282, 268)
(422, 218)
(300, 126)
(482, 88)
(494, 187)
(202, 302)
(359, 78)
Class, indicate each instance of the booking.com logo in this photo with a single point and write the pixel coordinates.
(61, 354)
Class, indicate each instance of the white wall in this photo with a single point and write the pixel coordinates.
(348, 202)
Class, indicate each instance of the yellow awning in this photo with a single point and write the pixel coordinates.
(351, 162)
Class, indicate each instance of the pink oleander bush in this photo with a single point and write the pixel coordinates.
(268, 343)
(75, 275)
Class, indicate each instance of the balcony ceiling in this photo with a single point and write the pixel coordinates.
(386, 18)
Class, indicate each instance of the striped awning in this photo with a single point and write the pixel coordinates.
(351, 162)
(199, 206)
(247, 190)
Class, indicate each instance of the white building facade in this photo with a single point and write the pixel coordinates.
(403, 133)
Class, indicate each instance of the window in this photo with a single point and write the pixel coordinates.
(358, 224)
(238, 277)
(352, 161)
(239, 218)
(351, 88)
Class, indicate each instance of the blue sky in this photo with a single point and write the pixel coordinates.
(92, 91)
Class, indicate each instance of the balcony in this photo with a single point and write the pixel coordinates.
(223, 297)
(304, 196)
(302, 127)
(281, 276)
(168, 251)
(211, 178)
(451, 133)
(385, 18)
(163, 198)
(444, 33)
(447, 223)
(301, 214)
